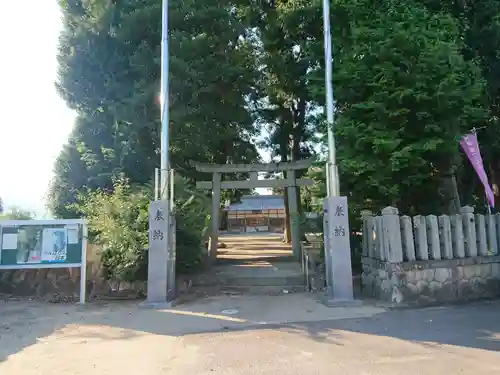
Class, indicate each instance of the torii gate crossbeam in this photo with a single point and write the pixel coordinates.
(290, 183)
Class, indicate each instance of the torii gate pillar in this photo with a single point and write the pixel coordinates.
(290, 183)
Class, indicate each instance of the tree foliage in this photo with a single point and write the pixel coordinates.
(16, 213)
(118, 222)
(404, 94)
(409, 77)
(109, 72)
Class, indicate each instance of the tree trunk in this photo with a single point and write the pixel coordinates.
(495, 178)
(449, 194)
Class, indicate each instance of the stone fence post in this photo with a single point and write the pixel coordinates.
(367, 231)
(433, 237)
(457, 236)
(379, 239)
(469, 224)
(496, 225)
(393, 248)
(445, 238)
(407, 238)
(482, 244)
(420, 228)
(392, 286)
(492, 235)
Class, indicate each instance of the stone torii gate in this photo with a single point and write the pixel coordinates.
(290, 182)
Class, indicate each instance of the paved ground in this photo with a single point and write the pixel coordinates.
(289, 334)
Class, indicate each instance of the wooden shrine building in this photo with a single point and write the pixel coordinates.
(256, 213)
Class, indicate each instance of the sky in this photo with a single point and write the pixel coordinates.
(34, 121)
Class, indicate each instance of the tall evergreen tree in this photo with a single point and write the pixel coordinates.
(404, 93)
(109, 59)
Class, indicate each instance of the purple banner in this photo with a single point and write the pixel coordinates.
(471, 147)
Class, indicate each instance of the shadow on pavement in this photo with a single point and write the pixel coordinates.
(474, 326)
(23, 324)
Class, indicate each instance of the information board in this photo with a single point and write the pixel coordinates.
(35, 244)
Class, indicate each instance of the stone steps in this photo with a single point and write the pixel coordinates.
(226, 281)
(248, 290)
(253, 264)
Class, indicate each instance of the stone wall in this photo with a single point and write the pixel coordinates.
(432, 281)
(430, 259)
(54, 284)
(50, 284)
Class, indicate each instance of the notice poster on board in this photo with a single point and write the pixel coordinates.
(9, 241)
(72, 231)
(29, 244)
(54, 245)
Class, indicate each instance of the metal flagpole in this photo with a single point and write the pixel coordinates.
(165, 162)
(333, 174)
(161, 259)
(164, 104)
(331, 166)
(337, 249)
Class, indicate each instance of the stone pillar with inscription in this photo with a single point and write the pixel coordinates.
(327, 248)
(172, 258)
(159, 290)
(338, 251)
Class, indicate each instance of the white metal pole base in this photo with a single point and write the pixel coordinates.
(332, 174)
(83, 269)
